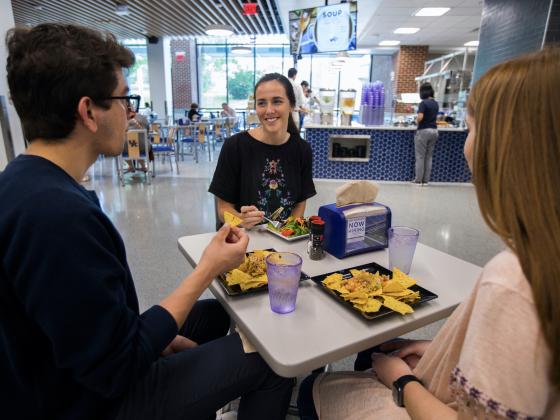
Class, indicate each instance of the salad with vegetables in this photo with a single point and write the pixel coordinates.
(293, 226)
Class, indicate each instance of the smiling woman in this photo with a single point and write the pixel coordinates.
(269, 166)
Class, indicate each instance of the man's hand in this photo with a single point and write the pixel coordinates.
(251, 216)
(225, 251)
(178, 344)
(411, 351)
(389, 368)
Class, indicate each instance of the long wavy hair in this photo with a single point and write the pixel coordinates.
(285, 82)
(516, 174)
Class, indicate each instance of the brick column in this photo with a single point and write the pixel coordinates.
(181, 74)
(410, 64)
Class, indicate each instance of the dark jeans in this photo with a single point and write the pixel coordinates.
(195, 383)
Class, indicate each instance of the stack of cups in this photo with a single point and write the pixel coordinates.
(372, 105)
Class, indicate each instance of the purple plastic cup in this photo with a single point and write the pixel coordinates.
(283, 270)
(402, 244)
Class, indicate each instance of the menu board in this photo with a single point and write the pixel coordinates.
(323, 29)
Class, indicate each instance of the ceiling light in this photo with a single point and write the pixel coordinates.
(219, 30)
(432, 11)
(406, 30)
(471, 44)
(122, 10)
(389, 43)
(241, 49)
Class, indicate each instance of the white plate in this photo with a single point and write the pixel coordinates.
(286, 238)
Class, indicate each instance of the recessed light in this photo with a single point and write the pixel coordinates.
(122, 10)
(406, 30)
(219, 30)
(471, 44)
(389, 43)
(432, 11)
(241, 49)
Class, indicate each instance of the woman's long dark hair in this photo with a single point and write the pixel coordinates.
(284, 81)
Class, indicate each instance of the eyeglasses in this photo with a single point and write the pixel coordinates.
(132, 102)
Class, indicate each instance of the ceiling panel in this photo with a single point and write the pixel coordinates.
(152, 18)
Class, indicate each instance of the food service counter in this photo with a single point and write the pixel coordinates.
(383, 153)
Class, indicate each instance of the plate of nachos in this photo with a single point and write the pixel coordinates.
(374, 291)
(250, 276)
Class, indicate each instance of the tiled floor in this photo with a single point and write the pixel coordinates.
(152, 217)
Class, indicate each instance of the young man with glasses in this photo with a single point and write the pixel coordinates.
(74, 344)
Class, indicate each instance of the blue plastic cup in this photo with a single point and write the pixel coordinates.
(283, 270)
(402, 244)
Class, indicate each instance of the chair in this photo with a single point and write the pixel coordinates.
(133, 152)
(195, 135)
(219, 129)
(165, 148)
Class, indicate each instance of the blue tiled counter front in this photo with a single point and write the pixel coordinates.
(391, 155)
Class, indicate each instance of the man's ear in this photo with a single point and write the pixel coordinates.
(88, 114)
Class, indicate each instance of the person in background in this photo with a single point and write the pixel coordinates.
(74, 343)
(498, 354)
(298, 92)
(426, 134)
(140, 122)
(193, 114)
(227, 111)
(305, 103)
(269, 166)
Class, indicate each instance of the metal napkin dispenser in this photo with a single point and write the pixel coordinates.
(355, 228)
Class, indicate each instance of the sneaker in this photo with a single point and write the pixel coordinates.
(425, 184)
(415, 182)
(230, 415)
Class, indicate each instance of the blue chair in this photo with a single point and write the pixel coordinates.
(165, 148)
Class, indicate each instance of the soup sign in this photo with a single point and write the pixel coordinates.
(323, 29)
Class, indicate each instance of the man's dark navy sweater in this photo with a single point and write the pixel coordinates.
(72, 340)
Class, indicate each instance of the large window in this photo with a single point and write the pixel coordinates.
(228, 74)
(138, 78)
(212, 75)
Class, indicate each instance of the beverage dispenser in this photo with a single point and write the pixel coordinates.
(326, 105)
(347, 102)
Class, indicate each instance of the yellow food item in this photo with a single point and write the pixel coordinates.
(368, 292)
(395, 305)
(403, 278)
(231, 219)
(251, 273)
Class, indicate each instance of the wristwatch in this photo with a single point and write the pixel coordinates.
(398, 388)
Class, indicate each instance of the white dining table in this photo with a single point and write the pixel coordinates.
(322, 330)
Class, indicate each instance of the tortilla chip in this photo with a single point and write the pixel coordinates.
(403, 293)
(392, 286)
(395, 305)
(231, 219)
(250, 285)
(237, 276)
(355, 295)
(403, 278)
(372, 305)
(333, 279)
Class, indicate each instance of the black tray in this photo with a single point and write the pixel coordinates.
(235, 290)
(425, 294)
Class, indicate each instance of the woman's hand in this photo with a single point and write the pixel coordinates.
(411, 351)
(251, 216)
(389, 368)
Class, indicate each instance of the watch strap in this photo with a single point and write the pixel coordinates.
(398, 388)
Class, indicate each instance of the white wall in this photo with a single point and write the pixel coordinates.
(7, 22)
(156, 69)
